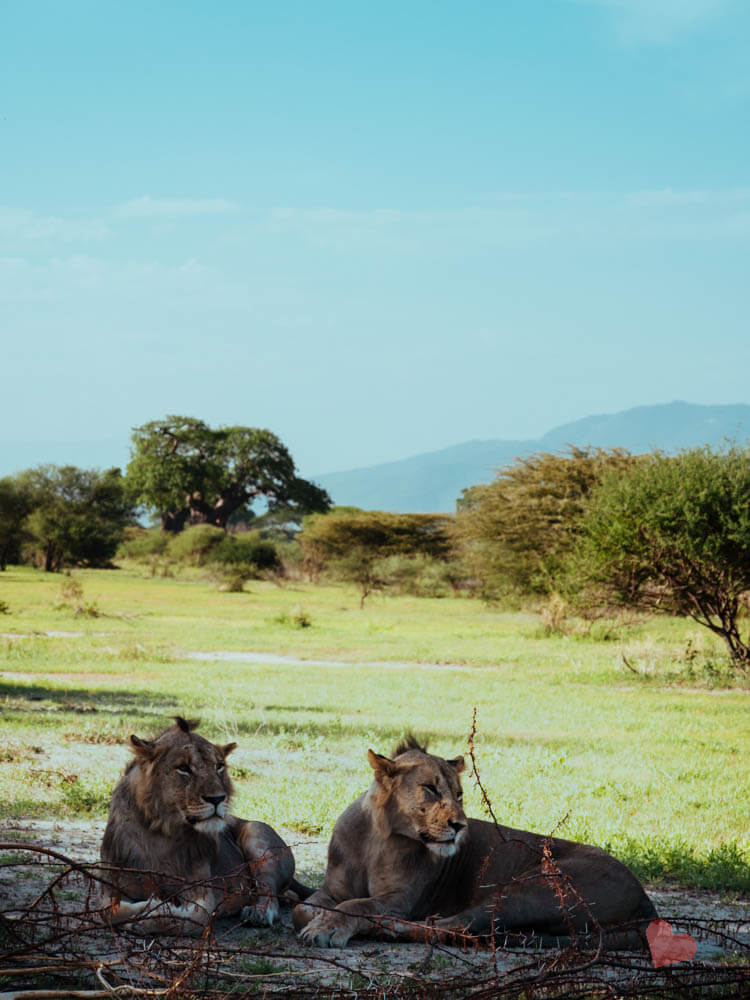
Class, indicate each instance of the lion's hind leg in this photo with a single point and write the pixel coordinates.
(271, 865)
(533, 918)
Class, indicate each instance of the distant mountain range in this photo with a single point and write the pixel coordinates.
(433, 481)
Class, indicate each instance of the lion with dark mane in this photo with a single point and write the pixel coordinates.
(404, 851)
(172, 856)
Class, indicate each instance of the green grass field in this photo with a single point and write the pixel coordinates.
(652, 765)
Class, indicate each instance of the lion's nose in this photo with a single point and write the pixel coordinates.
(214, 799)
(457, 825)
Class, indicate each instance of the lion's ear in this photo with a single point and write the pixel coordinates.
(383, 767)
(186, 725)
(227, 748)
(143, 749)
(458, 762)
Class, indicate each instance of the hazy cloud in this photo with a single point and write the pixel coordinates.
(22, 226)
(660, 21)
(512, 220)
(502, 220)
(672, 198)
(146, 207)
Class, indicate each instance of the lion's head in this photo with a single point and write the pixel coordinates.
(418, 795)
(180, 780)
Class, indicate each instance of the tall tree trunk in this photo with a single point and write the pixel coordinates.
(174, 521)
(216, 514)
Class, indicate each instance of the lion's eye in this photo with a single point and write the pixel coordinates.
(432, 790)
(460, 796)
(185, 769)
(220, 768)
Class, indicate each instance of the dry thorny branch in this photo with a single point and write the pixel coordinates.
(55, 943)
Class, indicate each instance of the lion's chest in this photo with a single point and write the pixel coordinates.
(450, 888)
(229, 857)
(219, 868)
(433, 885)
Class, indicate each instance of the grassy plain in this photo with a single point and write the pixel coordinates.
(652, 764)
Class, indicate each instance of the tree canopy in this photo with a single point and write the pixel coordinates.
(382, 534)
(674, 535)
(354, 541)
(519, 529)
(77, 516)
(194, 474)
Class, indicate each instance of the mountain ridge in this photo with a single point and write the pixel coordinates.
(432, 481)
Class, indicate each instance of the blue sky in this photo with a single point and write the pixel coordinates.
(377, 229)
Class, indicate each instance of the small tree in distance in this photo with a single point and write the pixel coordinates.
(673, 534)
(352, 542)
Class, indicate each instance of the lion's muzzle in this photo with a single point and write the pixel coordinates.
(209, 817)
(447, 842)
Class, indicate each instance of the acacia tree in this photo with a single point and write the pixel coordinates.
(353, 541)
(519, 529)
(673, 534)
(194, 474)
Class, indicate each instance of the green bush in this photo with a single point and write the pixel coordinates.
(142, 545)
(71, 598)
(247, 549)
(239, 558)
(291, 558)
(298, 618)
(420, 575)
(232, 579)
(195, 545)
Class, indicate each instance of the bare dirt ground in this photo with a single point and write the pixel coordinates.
(274, 959)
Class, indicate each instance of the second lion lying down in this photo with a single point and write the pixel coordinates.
(405, 851)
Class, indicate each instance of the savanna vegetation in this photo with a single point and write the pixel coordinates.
(535, 605)
(650, 764)
(587, 531)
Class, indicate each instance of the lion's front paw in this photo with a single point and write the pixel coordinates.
(327, 930)
(395, 928)
(263, 912)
